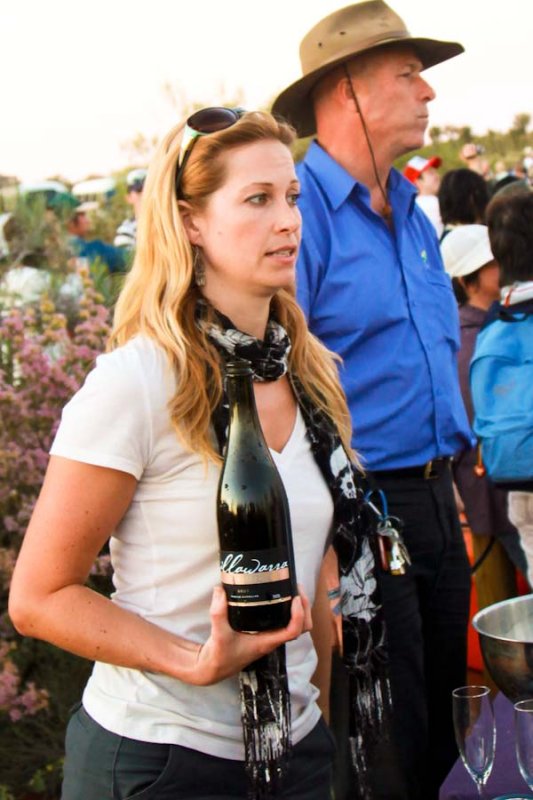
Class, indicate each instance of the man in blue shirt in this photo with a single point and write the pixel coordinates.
(373, 286)
(78, 227)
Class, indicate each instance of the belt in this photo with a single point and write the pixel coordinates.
(427, 472)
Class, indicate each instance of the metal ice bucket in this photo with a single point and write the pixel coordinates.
(506, 637)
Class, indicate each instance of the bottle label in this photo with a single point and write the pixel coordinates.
(256, 577)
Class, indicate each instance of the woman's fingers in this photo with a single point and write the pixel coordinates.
(227, 651)
(219, 606)
(308, 619)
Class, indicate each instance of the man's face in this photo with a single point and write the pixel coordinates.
(429, 181)
(393, 97)
(80, 224)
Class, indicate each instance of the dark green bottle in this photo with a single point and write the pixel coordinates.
(256, 554)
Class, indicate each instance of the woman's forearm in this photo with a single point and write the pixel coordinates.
(90, 625)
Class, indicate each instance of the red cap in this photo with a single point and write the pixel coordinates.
(416, 166)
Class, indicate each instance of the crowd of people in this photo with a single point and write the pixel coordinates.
(334, 278)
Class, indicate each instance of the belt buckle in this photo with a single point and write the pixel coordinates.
(430, 471)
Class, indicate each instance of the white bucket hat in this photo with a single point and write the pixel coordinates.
(466, 249)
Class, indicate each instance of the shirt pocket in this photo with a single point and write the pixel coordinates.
(441, 307)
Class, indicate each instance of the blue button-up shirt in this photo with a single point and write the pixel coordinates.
(383, 301)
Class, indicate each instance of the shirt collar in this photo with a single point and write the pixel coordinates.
(338, 184)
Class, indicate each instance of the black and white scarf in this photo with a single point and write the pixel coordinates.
(265, 703)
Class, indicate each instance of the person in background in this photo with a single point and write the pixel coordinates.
(475, 274)
(79, 226)
(137, 459)
(472, 156)
(374, 289)
(510, 223)
(423, 173)
(127, 230)
(463, 197)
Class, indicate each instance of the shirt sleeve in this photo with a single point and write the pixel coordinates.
(108, 421)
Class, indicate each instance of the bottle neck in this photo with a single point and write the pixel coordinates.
(241, 399)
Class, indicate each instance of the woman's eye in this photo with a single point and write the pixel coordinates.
(293, 198)
(257, 199)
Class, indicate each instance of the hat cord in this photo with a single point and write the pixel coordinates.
(387, 210)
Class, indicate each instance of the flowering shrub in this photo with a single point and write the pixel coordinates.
(16, 703)
(44, 358)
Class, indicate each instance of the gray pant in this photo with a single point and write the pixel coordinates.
(100, 765)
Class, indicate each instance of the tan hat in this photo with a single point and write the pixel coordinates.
(340, 37)
(466, 249)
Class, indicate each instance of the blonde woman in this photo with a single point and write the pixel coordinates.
(136, 461)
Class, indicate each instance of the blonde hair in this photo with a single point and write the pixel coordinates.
(159, 296)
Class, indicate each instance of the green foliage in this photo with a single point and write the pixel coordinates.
(37, 236)
(106, 284)
(447, 143)
(106, 219)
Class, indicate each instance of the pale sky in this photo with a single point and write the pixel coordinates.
(79, 79)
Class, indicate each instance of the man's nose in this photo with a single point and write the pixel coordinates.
(428, 93)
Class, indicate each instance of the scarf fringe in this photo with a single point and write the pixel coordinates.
(266, 714)
(371, 708)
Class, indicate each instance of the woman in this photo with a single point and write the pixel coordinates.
(135, 459)
(475, 273)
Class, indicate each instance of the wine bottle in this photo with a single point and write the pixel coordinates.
(256, 554)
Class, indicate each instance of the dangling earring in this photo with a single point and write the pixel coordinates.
(198, 267)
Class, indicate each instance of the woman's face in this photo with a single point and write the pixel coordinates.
(249, 231)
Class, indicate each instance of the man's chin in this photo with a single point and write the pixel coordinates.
(415, 143)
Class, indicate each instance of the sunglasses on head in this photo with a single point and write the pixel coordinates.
(202, 123)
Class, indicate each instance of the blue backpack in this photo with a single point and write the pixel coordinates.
(501, 382)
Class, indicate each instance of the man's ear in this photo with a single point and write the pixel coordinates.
(345, 93)
(188, 218)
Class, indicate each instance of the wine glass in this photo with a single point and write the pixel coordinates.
(523, 718)
(475, 731)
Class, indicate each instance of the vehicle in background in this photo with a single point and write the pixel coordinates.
(95, 190)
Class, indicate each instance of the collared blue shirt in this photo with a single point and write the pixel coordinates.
(384, 303)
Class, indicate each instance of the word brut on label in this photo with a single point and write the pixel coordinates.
(256, 555)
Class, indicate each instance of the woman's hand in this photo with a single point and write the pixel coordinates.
(226, 651)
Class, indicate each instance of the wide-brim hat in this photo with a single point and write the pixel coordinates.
(340, 37)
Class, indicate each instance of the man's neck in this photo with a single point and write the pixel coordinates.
(355, 158)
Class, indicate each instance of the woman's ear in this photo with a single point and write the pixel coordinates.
(189, 220)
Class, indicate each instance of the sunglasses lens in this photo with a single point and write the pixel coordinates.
(210, 120)
(205, 121)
